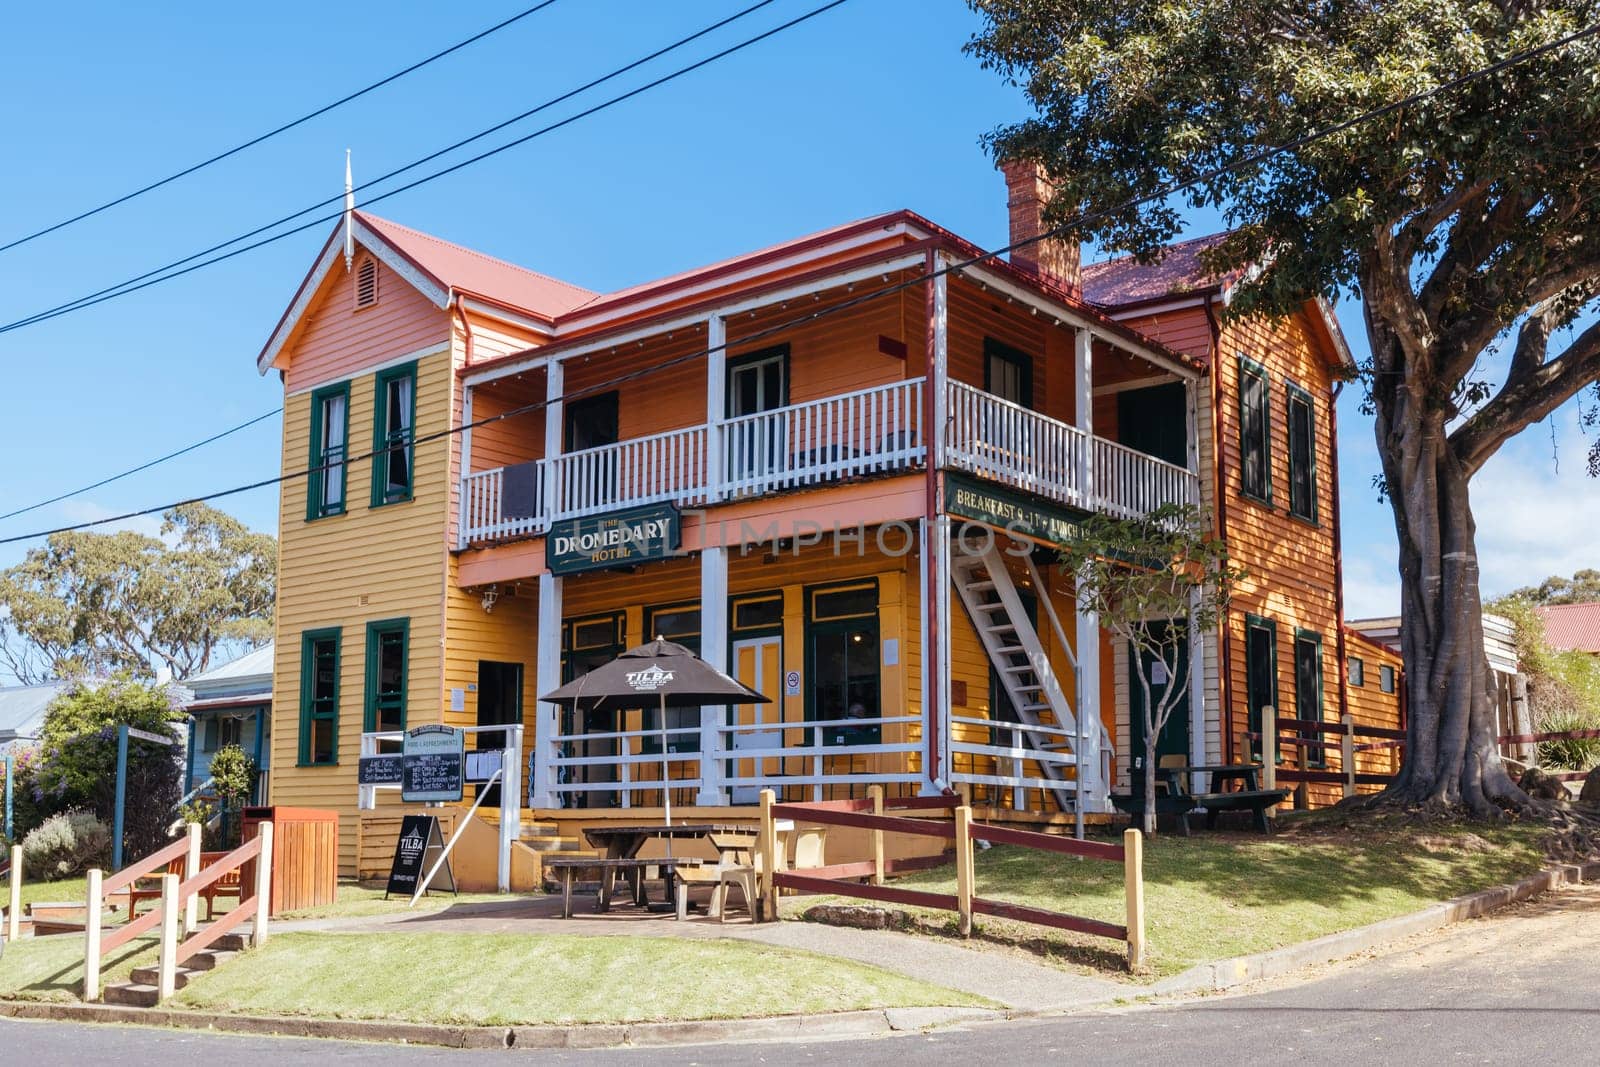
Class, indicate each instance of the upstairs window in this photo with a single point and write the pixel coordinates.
(330, 429)
(394, 412)
(1386, 678)
(1302, 455)
(1255, 432)
(1007, 373)
(366, 282)
(1358, 672)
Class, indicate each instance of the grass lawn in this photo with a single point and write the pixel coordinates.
(51, 968)
(1213, 896)
(68, 890)
(502, 979)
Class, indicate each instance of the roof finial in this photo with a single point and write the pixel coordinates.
(349, 214)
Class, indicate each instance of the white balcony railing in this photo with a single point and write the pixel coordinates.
(870, 431)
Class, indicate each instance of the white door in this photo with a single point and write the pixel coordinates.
(758, 663)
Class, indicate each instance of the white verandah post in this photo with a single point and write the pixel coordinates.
(1090, 774)
(547, 717)
(714, 650)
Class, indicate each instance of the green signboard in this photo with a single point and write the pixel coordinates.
(615, 539)
(1009, 510)
(431, 764)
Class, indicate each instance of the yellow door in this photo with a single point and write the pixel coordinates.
(757, 663)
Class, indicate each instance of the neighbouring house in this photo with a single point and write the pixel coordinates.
(22, 709)
(835, 467)
(1571, 627)
(231, 705)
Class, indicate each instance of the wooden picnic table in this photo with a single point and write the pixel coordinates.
(624, 842)
(1177, 800)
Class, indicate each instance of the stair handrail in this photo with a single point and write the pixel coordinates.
(99, 888)
(256, 904)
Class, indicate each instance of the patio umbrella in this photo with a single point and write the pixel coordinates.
(646, 677)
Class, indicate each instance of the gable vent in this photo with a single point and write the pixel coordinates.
(367, 283)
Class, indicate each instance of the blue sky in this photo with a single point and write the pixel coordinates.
(867, 108)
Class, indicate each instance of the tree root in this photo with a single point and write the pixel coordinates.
(1574, 831)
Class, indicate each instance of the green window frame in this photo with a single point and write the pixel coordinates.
(1255, 431)
(1261, 680)
(394, 420)
(679, 716)
(1308, 693)
(319, 709)
(385, 702)
(1301, 412)
(328, 484)
(840, 611)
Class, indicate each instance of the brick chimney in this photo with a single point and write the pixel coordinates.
(1057, 262)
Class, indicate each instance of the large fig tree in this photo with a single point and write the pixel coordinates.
(1467, 223)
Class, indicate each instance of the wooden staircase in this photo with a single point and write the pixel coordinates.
(1020, 662)
(143, 991)
(544, 838)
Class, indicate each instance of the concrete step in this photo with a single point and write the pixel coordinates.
(151, 976)
(132, 994)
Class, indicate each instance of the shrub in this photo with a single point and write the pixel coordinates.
(65, 845)
(1578, 754)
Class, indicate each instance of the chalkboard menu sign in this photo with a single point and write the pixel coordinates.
(379, 770)
(419, 845)
(433, 764)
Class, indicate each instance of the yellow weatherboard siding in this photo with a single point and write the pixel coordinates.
(348, 570)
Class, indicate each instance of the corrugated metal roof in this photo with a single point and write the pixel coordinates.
(1122, 281)
(1572, 626)
(249, 675)
(22, 709)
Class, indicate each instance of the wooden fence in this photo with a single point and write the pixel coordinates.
(869, 814)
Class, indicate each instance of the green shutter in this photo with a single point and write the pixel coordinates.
(1255, 431)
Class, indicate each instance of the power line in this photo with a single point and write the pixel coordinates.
(302, 120)
(812, 316)
(170, 270)
(144, 466)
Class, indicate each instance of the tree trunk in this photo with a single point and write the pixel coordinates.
(1149, 777)
(1452, 759)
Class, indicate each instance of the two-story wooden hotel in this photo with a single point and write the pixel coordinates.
(835, 468)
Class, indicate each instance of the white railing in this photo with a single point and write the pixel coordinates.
(867, 432)
(614, 772)
(870, 431)
(643, 470)
(1130, 483)
(846, 436)
(1008, 443)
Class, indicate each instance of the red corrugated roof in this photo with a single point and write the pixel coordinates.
(464, 270)
(1122, 281)
(1572, 626)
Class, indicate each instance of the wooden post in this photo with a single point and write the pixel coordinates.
(191, 867)
(964, 869)
(91, 936)
(768, 844)
(1347, 753)
(263, 885)
(1133, 887)
(875, 791)
(14, 907)
(167, 982)
(1269, 747)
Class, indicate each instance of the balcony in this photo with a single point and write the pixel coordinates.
(867, 433)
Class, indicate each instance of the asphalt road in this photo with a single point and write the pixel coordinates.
(1523, 987)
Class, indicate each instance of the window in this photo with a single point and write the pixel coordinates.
(366, 282)
(319, 697)
(1386, 678)
(1358, 672)
(386, 678)
(842, 657)
(759, 612)
(680, 624)
(1261, 672)
(1255, 432)
(1007, 373)
(1308, 692)
(1302, 455)
(330, 429)
(394, 412)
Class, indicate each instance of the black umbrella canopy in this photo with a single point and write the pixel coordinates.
(652, 674)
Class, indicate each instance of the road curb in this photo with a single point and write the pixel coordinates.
(871, 1023)
(1229, 973)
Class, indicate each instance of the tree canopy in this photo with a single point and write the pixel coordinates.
(1468, 224)
(95, 603)
(1582, 588)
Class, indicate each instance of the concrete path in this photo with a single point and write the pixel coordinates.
(1010, 978)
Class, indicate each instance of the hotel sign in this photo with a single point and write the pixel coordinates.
(1010, 511)
(615, 539)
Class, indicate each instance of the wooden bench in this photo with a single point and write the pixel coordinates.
(1174, 798)
(608, 869)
